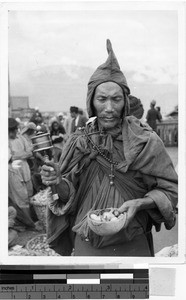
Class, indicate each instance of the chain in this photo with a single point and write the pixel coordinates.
(99, 150)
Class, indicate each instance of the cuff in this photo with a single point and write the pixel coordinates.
(60, 208)
(165, 211)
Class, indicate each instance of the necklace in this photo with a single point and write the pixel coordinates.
(99, 150)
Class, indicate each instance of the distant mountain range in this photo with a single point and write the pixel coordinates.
(56, 88)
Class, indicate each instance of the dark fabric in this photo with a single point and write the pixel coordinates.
(136, 107)
(139, 246)
(109, 71)
(12, 123)
(152, 116)
(81, 123)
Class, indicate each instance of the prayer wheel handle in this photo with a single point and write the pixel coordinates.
(55, 195)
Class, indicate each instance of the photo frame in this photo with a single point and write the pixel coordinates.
(82, 10)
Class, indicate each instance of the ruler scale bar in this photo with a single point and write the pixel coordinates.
(74, 284)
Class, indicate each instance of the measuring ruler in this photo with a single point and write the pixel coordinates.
(74, 284)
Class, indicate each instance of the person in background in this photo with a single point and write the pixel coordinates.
(159, 111)
(68, 125)
(153, 116)
(19, 177)
(20, 124)
(28, 131)
(37, 117)
(20, 152)
(115, 161)
(78, 119)
(12, 233)
(136, 107)
(61, 118)
(20, 185)
(57, 133)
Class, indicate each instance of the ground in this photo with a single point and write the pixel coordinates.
(161, 239)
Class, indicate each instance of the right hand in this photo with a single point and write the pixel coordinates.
(50, 173)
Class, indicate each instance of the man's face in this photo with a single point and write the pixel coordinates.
(108, 103)
(73, 115)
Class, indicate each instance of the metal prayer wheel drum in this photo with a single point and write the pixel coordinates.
(41, 142)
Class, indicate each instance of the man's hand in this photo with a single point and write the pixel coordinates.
(50, 173)
(131, 207)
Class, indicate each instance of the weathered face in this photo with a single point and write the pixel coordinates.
(108, 103)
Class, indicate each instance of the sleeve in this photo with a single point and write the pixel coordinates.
(165, 197)
(72, 155)
(59, 207)
(154, 162)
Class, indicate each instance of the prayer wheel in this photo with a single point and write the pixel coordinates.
(41, 142)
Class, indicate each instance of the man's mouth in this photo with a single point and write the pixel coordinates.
(108, 118)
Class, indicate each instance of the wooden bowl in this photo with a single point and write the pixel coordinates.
(103, 227)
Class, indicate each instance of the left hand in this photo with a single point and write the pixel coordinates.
(130, 207)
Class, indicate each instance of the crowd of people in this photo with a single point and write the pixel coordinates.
(110, 159)
(24, 164)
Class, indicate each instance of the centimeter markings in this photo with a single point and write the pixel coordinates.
(77, 291)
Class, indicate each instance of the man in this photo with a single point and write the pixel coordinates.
(78, 119)
(152, 115)
(115, 161)
(37, 117)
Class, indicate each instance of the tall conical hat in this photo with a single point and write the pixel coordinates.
(109, 71)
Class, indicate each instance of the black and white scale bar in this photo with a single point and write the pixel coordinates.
(33, 276)
(74, 284)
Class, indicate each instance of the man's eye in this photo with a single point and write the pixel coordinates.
(117, 99)
(101, 99)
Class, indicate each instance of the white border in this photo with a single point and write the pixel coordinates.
(108, 262)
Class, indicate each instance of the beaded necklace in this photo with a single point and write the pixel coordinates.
(99, 150)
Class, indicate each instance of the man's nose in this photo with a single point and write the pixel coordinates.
(109, 106)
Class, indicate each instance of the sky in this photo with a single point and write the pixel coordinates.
(145, 43)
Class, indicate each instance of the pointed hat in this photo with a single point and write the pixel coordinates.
(109, 71)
